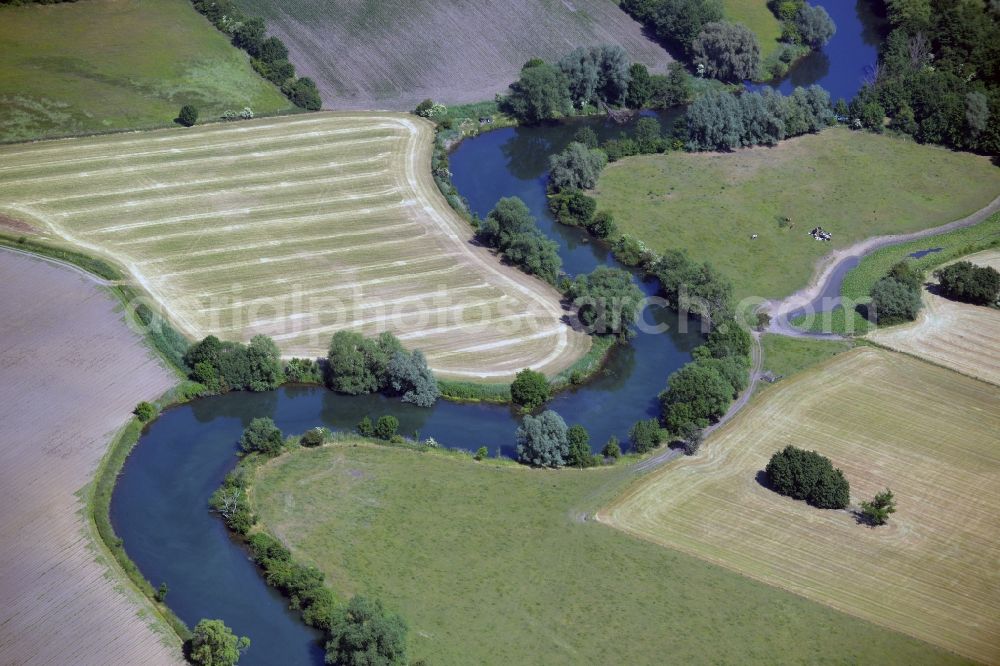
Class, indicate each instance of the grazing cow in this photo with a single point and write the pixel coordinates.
(753, 237)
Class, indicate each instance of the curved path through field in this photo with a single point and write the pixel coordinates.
(72, 372)
(823, 292)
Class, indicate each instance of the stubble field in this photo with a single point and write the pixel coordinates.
(391, 54)
(887, 420)
(956, 335)
(72, 372)
(294, 228)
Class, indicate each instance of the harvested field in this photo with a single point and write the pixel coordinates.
(104, 65)
(295, 228)
(391, 54)
(956, 335)
(887, 420)
(72, 372)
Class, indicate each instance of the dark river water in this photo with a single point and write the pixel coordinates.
(841, 65)
(160, 505)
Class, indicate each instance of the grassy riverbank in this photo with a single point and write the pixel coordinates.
(493, 563)
(856, 185)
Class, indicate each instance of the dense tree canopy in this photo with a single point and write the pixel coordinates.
(814, 25)
(541, 93)
(607, 301)
(543, 440)
(964, 281)
(721, 121)
(409, 375)
(645, 435)
(214, 644)
(510, 228)
(579, 447)
(676, 22)
(360, 365)
(596, 74)
(727, 51)
(695, 394)
(893, 302)
(363, 633)
(806, 475)
(262, 436)
(230, 366)
(577, 167)
(530, 389)
(939, 75)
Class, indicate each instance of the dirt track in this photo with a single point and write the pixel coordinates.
(72, 372)
(830, 271)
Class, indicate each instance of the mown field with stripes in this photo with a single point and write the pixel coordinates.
(887, 420)
(295, 228)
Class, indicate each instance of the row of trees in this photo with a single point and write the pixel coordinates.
(269, 54)
(938, 77)
(589, 77)
(896, 297)
(721, 121)
(231, 366)
(360, 365)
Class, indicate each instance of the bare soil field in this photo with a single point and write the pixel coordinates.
(295, 228)
(391, 54)
(956, 335)
(887, 420)
(72, 372)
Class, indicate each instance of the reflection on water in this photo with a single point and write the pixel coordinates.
(840, 66)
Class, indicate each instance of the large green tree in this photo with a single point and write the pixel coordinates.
(543, 440)
(809, 476)
(607, 301)
(360, 365)
(541, 93)
(727, 51)
(214, 644)
(893, 302)
(530, 389)
(695, 394)
(262, 436)
(576, 167)
(363, 633)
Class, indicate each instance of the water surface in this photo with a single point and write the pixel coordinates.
(160, 505)
(841, 66)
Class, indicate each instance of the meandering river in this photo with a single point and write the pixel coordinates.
(160, 505)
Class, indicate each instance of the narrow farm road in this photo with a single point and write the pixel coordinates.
(757, 358)
(824, 290)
